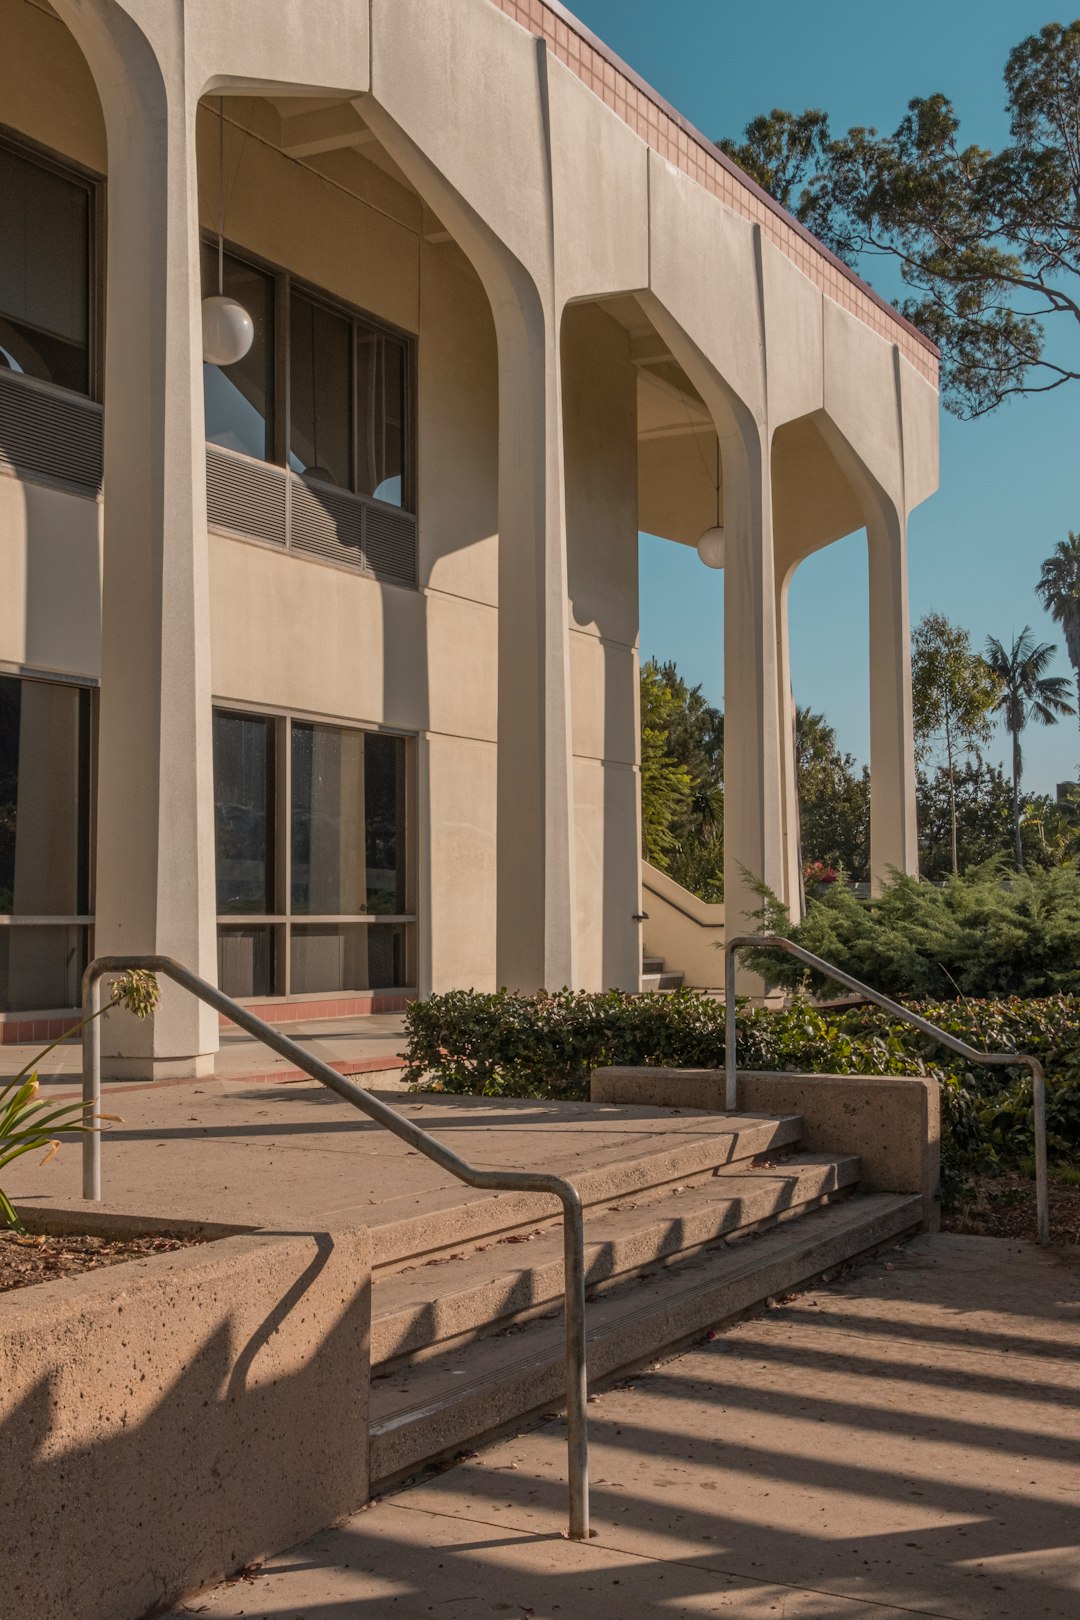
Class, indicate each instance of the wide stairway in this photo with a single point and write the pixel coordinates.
(681, 1235)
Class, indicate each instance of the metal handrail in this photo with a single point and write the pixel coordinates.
(406, 1131)
(777, 942)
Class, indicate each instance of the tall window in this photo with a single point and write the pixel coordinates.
(333, 406)
(44, 842)
(313, 876)
(46, 221)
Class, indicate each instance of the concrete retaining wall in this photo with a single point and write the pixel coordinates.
(893, 1122)
(165, 1421)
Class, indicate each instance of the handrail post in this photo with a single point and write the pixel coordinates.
(405, 1130)
(1042, 1174)
(577, 1432)
(91, 1087)
(731, 1082)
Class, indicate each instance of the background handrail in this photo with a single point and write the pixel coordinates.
(777, 942)
(420, 1140)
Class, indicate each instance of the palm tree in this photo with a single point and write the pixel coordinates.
(1027, 693)
(1059, 587)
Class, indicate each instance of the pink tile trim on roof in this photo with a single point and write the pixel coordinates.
(672, 137)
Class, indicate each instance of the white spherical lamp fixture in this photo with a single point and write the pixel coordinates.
(227, 330)
(710, 548)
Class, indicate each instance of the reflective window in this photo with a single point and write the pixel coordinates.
(45, 224)
(239, 399)
(380, 394)
(244, 813)
(44, 841)
(44, 798)
(320, 392)
(339, 835)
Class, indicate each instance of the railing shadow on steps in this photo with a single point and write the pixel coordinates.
(421, 1141)
(777, 942)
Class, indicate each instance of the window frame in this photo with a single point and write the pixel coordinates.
(282, 920)
(94, 184)
(285, 282)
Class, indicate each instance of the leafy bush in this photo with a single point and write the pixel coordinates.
(986, 934)
(547, 1045)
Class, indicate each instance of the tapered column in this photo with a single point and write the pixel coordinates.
(534, 912)
(792, 892)
(753, 797)
(893, 831)
(155, 820)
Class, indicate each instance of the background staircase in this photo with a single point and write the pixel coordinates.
(655, 975)
(467, 1329)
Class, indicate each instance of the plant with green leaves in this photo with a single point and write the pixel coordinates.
(1026, 693)
(29, 1122)
(953, 694)
(1059, 588)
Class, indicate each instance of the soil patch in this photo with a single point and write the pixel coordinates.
(1004, 1206)
(38, 1258)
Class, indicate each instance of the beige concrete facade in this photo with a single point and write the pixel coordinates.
(592, 297)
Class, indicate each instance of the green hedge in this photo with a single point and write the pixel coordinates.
(547, 1046)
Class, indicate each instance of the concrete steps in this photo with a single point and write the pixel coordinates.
(422, 1413)
(655, 974)
(467, 1330)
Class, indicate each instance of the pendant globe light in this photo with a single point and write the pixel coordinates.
(710, 548)
(227, 329)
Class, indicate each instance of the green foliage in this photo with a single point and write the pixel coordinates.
(682, 794)
(1059, 588)
(29, 1123)
(985, 934)
(988, 242)
(1026, 693)
(834, 800)
(546, 1046)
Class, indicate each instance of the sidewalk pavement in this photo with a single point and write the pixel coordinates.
(360, 1045)
(903, 1441)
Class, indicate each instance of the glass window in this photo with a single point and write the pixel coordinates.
(380, 393)
(320, 388)
(358, 956)
(44, 799)
(239, 399)
(328, 875)
(384, 783)
(45, 221)
(244, 813)
(246, 960)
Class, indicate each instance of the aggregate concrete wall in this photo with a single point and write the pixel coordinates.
(166, 1421)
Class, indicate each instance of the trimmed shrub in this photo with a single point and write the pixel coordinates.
(546, 1046)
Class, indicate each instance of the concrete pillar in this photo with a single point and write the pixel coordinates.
(753, 787)
(792, 892)
(535, 883)
(893, 830)
(155, 815)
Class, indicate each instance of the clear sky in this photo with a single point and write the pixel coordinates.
(1010, 483)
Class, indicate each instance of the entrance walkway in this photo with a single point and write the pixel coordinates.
(904, 1441)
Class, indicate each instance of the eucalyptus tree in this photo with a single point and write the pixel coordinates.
(987, 242)
(1026, 693)
(953, 694)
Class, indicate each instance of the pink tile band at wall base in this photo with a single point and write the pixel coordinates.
(25, 1031)
(291, 1012)
(675, 139)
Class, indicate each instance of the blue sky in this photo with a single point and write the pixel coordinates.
(1010, 483)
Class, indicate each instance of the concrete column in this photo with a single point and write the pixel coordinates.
(792, 893)
(753, 784)
(893, 830)
(155, 815)
(535, 883)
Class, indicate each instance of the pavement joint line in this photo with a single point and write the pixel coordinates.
(672, 1563)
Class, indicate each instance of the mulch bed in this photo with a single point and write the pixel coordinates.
(38, 1259)
(1004, 1206)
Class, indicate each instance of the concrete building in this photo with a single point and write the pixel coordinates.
(318, 670)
